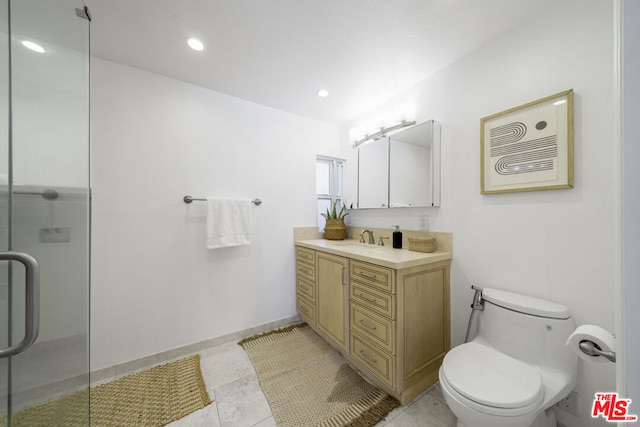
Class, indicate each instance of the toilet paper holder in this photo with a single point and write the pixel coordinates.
(592, 349)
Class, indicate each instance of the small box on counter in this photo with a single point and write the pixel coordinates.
(426, 245)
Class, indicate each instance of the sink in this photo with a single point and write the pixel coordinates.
(352, 244)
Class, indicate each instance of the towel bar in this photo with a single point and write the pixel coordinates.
(46, 194)
(189, 199)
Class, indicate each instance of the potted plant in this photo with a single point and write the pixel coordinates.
(335, 229)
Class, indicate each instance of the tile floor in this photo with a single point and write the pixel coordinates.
(238, 400)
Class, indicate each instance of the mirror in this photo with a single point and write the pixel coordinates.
(373, 175)
(401, 169)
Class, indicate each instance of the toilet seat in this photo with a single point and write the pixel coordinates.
(491, 381)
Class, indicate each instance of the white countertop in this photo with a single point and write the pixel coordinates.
(385, 256)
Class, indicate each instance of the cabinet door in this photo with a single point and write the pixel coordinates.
(332, 297)
(425, 312)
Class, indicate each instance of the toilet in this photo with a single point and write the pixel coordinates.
(515, 368)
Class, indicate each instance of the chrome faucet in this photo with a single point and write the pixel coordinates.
(371, 239)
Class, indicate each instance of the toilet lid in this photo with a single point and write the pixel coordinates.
(489, 377)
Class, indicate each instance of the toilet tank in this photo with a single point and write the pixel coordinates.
(529, 329)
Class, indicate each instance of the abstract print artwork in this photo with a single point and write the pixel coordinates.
(529, 147)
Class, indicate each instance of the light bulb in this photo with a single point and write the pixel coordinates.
(33, 46)
(195, 44)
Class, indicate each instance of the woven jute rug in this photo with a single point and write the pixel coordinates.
(309, 384)
(150, 398)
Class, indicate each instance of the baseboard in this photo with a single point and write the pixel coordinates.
(170, 355)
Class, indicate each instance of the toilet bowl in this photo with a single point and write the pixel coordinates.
(515, 368)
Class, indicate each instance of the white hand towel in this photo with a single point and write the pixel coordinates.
(228, 222)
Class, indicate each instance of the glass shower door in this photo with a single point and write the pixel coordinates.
(4, 206)
(44, 212)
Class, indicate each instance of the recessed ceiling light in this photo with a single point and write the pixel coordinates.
(195, 44)
(323, 93)
(33, 46)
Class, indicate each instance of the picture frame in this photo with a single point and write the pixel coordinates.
(529, 147)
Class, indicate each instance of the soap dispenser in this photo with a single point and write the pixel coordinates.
(397, 238)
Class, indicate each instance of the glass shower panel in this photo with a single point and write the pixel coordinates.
(4, 203)
(49, 206)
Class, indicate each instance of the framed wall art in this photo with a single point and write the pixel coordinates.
(529, 147)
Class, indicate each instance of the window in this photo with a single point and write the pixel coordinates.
(329, 184)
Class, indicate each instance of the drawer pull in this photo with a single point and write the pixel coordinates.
(304, 270)
(368, 275)
(305, 256)
(366, 325)
(304, 309)
(304, 288)
(368, 298)
(368, 358)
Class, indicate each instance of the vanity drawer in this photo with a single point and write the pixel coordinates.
(379, 363)
(305, 255)
(373, 275)
(306, 271)
(306, 289)
(373, 299)
(306, 308)
(376, 328)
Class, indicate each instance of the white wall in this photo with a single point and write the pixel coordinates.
(631, 151)
(154, 285)
(558, 244)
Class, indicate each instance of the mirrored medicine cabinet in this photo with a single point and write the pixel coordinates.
(401, 169)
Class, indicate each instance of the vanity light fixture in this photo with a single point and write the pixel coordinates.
(33, 46)
(383, 131)
(323, 93)
(195, 44)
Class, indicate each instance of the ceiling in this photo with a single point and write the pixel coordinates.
(279, 53)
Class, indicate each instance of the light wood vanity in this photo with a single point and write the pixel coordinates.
(385, 310)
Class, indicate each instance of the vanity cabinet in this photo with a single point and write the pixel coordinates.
(390, 324)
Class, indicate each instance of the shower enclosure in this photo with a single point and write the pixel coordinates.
(44, 212)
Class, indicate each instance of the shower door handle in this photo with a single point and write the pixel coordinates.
(32, 301)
